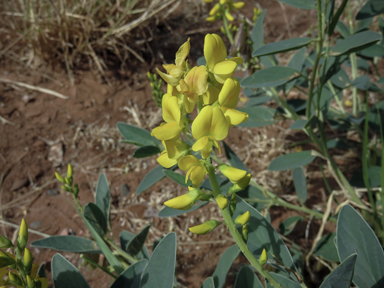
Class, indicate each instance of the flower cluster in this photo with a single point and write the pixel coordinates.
(213, 92)
(227, 6)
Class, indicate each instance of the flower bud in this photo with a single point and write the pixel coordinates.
(205, 197)
(222, 201)
(214, 9)
(205, 227)
(14, 279)
(23, 235)
(211, 19)
(263, 257)
(233, 174)
(243, 219)
(59, 177)
(30, 282)
(238, 5)
(27, 259)
(69, 171)
(229, 15)
(5, 260)
(244, 232)
(222, 2)
(184, 202)
(5, 242)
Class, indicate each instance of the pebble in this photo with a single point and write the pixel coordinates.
(52, 192)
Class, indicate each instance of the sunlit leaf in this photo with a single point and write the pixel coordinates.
(291, 161)
(282, 46)
(65, 275)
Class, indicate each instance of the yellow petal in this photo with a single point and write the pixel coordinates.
(165, 161)
(196, 174)
(197, 80)
(200, 144)
(222, 202)
(171, 109)
(182, 54)
(168, 78)
(243, 219)
(234, 117)
(219, 125)
(229, 16)
(233, 174)
(214, 9)
(211, 95)
(238, 60)
(229, 94)
(167, 131)
(184, 202)
(214, 50)
(204, 228)
(210, 122)
(224, 70)
(187, 162)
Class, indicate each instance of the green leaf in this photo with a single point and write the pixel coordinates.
(355, 42)
(208, 283)
(298, 124)
(137, 243)
(137, 136)
(259, 116)
(300, 184)
(282, 46)
(270, 77)
(68, 244)
(373, 177)
(96, 218)
(252, 195)
(170, 212)
(131, 276)
(341, 277)
(225, 263)
(288, 283)
(246, 278)
(296, 62)
(125, 237)
(257, 35)
(287, 226)
(335, 18)
(161, 266)
(291, 161)
(373, 51)
(355, 236)
(261, 235)
(326, 248)
(343, 29)
(370, 9)
(146, 151)
(302, 4)
(65, 275)
(41, 272)
(178, 178)
(153, 176)
(233, 159)
(103, 197)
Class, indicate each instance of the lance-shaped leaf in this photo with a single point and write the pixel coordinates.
(370, 9)
(261, 235)
(341, 277)
(96, 218)
(291, 161)
(103, 197)
(136, 136)
(136, 244)
(355, 42)
(225, 263)
(208, 283)
(302, 4)
(257, 35)
(65, 275)
(68, 244)
(146, 151)
(131, 276)
(258, 116)
(233, 159)
(355, 236)
(326, 248)
(247, 278)
(126, 237)
(178, 178)
(153, 176)
(282, 46)
(289, 224)
(300, 184)
(288, 283)
(270, 77)
(161, 266)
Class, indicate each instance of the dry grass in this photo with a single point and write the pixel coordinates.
(75, 32)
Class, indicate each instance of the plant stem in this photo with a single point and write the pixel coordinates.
(235, 233)
(124, 254)
(97, 265)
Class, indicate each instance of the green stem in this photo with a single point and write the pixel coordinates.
(97, 265)
(121, 252)
(235, 233)
(225, 21)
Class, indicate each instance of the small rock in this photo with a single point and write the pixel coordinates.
(52, 192)
(35, 225)
(55, 154)
(124, 190)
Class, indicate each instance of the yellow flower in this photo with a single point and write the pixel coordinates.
(229, 15)
(215, 9)
(211, 95)
(174, 150)
(209, 127)
(176, 71)
(229, 94)
(233, 116)
(184, 202)
(205, 228)
(193, 85)
(243, 219)
(222, 201)
(238, 177)
(195, 169)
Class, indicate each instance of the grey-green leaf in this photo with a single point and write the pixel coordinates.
(153, 176)
(246, 278)
(261, 235)
(65, 275)
(291, 161)
(125, 237)
(146, 151)
(131, 276)
(161, 266)
(288, 283)
(270, 77)
(178, 178)
(354, 235)
(326, 248)
(287, 226)
(68, 244)
(257, 35)
(282, 46)
(208, 283)
(136, 244)
(341, 277)
(259, 116)
(300, 184)
(302, 4)
(233, 159)
(103, 197)
(96, 218)
(370, 9)
(355, 42)
(225, 263)
(136, 135)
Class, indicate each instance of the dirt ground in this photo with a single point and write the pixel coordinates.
(42, 133)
